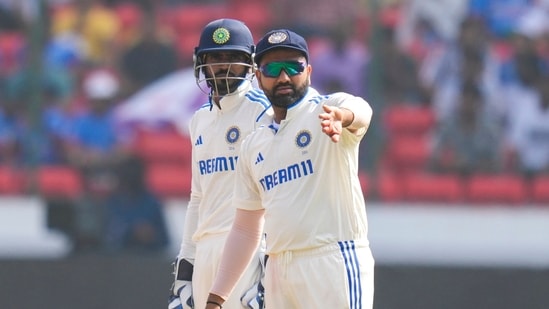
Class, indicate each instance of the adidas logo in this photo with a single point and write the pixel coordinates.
(259, 158)
(198, 141)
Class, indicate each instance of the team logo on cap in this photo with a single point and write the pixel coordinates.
(277, 37)
(233, 134)
(303, 139)
(221, 36)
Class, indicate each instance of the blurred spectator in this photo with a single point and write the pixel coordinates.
(13, 49)
(149, 59)
(57, 124)
(9, 127)
(95, 149)
(134, 215)
(66, 47)
(397, 72)
(23, 116)
(501, 16)
(18, 84)
(322, 15)
(424, 23)
(468, 59)
(534, 21)
(469, 140)
(340, 66)
(523, 67)
(526, 83)
(98, 26)
(10, 20)
(97, 141)
(528, 134)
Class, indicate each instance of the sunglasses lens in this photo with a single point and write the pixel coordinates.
(273, 69)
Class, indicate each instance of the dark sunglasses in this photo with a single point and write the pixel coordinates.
(273, 69)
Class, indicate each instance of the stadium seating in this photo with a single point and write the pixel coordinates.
(407, 153)
(255, 14)
(163, 146)
(12, 45)
(540, 190)
(58, 182)
(388, 186)
(408, 129)
(12, 181)
(185, 44)
(191, 18)
(130, 16)
(507, 189)
(408, 119)
(169, 180)
(427, 187)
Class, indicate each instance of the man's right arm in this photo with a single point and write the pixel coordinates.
(240, 247)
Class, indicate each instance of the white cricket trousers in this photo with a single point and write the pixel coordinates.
(335, 276)
(208, 256)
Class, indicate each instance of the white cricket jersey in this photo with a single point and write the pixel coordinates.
(216, 135)
(307, 184)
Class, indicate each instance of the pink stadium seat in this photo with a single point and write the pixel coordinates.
(185, 23)
(59, 181)
(129, 15)
(408, 119)
(11, 51)
(185, 45)
(169, 180)
(389, 186)
(163, 146)
(191, 18)
(540, 190)
(507, 189)
(433, 187)
(407, 153)
(255, 14)
(12, 181)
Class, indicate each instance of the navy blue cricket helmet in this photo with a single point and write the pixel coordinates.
(223, 35)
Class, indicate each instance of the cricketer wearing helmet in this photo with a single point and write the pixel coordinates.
(224, 68)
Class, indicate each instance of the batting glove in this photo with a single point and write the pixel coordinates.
(181, 293)
(254, 297)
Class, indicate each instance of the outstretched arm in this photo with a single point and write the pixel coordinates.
(352, 116)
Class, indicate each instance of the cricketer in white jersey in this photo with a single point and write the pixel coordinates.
(217, 135)
(305, 186)
(224, 66)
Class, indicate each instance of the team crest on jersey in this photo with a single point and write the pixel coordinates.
(303, 139)
(221, 36)
(233, 134)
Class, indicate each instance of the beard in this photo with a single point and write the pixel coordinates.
(286, 100)
(224, 83)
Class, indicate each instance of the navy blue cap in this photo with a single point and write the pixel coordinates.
(281, 38)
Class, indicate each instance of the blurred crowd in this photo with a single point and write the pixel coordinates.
(479, 68)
